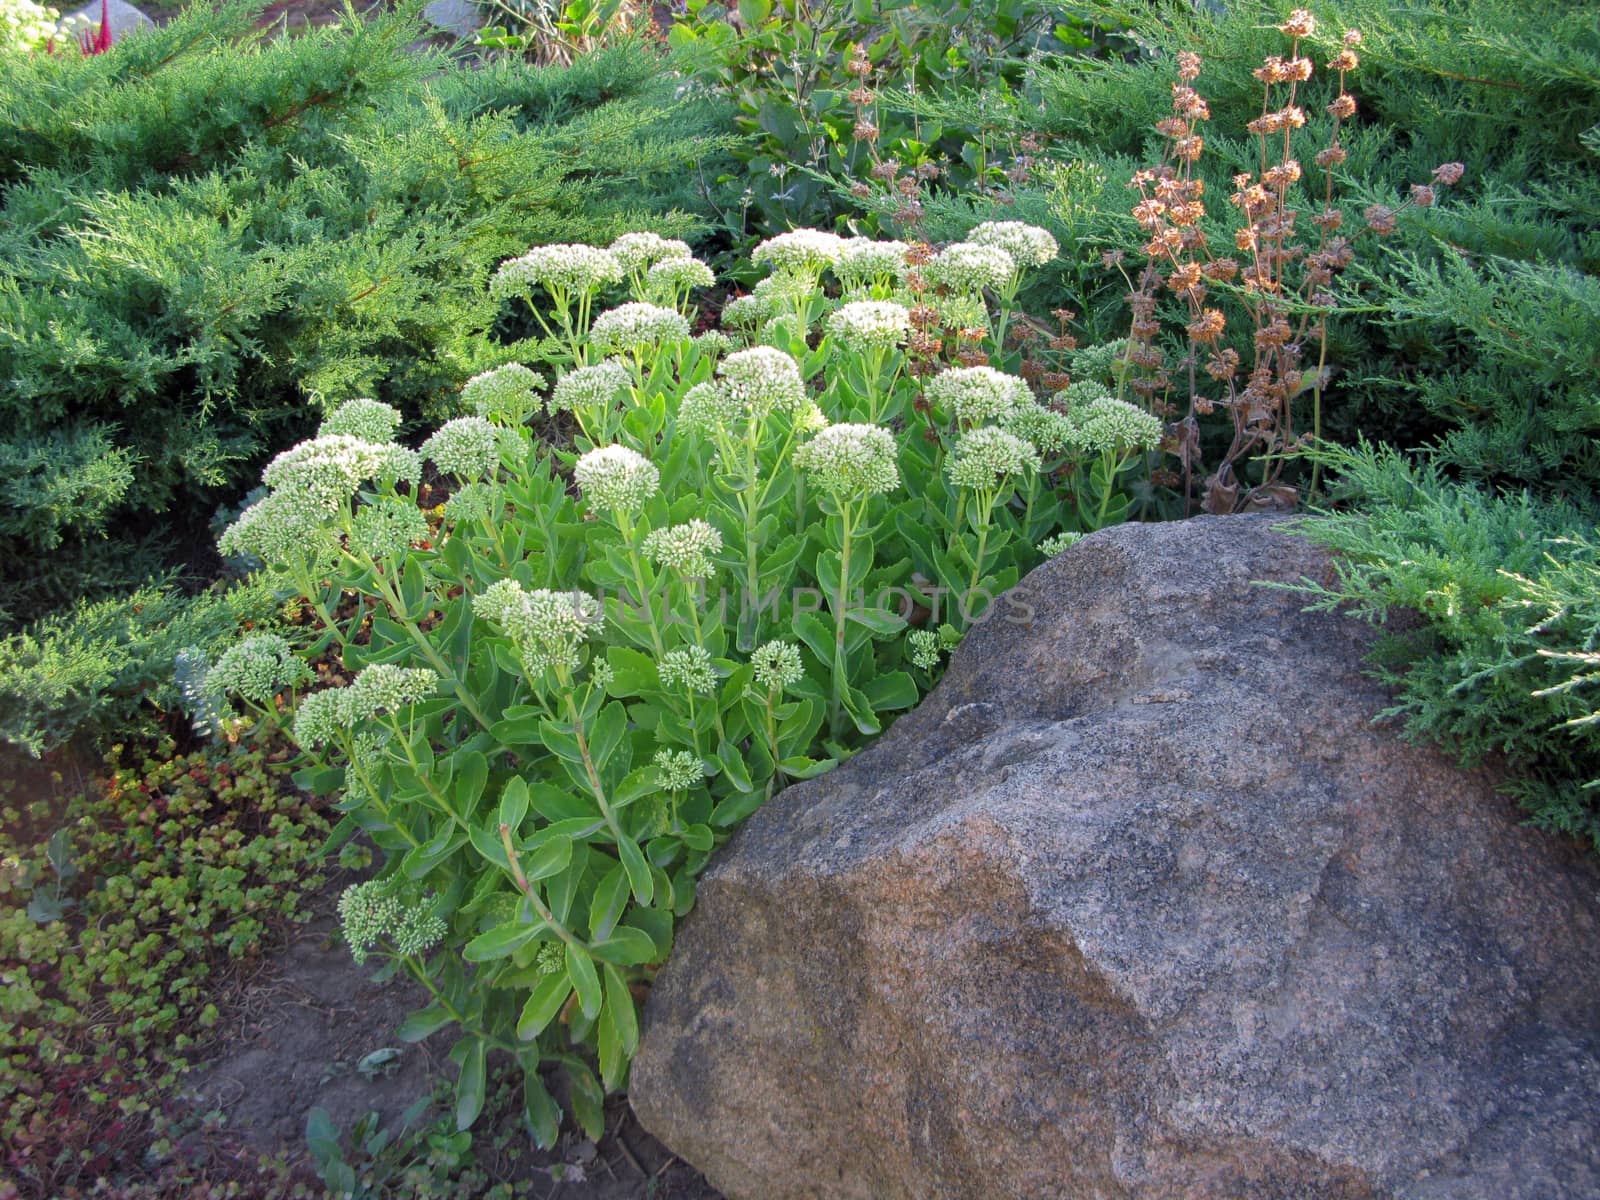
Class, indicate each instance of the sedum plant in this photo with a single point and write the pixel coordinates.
(570, 681)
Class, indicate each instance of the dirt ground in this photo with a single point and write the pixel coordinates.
(302, 1026)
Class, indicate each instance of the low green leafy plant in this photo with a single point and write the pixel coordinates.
(575, 677)
(117, 916)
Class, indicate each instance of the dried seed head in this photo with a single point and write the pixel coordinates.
(1422, 195)
(1188, 65)
(1449, 173)
(1380, 219)
(1343, 106)
(1301, 24)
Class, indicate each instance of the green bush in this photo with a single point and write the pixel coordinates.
(105, 668)
(207, 238)
(1498, 653)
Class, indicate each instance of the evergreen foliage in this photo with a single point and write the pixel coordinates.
(1503, 659)
(100, 666)
(208, 238)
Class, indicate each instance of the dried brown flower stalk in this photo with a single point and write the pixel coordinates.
(1283, 282)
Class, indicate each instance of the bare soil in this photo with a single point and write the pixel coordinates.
(302, 1026)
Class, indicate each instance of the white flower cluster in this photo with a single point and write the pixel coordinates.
(777, 665)
(616, 478)
(372, 912)
(707, 408)
(388, 527)
(504, 394)
(672, 275)
(863, 261)
(325, 472)
(637, 326)
(968, 267)
(590, 388)
(685, 548)
(309, 484)
(566, 269)
(639, 251)
(276, 530)
(678, 770)
(547, 627)
(1053, 546)
(467, 447)
(851, 461)
(384, 687)
(1110, 424)
(369, 420)
(863, 325)
(762, 380)
(257, 668)
(984, 458)
(26, 26)
(975, 395)
(690, 668)
(801, 251)
(1028, 245)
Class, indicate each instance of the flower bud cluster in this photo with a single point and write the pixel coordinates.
(388, 527)
(986, 457)
(323, 474)
(257, 668)
(590, 388)
(762, 380)
(640, 251)
(616, 478)
(569, 269)
(372, 912)
(863, 261)
(637, 326)
(689, 668)
(969, 267)
(368, 420)
(801, 251)
(1053, 546)
(685, 548)
(504, 394)
(1028, 245)
(777, 665)
(547, 627)
(467, 447)
(678, 769)
(1107, 423)
(976, 395)
(672, 275)
(851, 461)
(1049, 432)
(863, 325)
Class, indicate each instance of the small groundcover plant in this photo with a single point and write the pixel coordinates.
(571, 680)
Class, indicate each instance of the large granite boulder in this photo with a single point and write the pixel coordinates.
(1139, 903)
